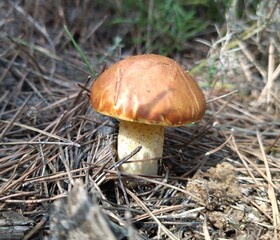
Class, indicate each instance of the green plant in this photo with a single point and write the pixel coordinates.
(80, 51)
(162, 26)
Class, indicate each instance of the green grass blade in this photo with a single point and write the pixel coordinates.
(82, 54)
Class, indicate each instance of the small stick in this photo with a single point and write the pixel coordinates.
(22, 194)
(37, 227)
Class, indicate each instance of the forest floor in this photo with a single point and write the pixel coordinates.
(219, 177)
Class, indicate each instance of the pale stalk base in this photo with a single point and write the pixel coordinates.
(150, 137)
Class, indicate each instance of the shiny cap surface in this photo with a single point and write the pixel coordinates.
(150, 89)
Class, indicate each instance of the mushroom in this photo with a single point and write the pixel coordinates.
(146, 93)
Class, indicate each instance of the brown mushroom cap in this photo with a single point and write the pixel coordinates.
(150, 89)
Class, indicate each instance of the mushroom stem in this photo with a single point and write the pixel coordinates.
(150, 137)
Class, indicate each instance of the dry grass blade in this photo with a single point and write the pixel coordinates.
(276, 73)
(10, 124)
(271, 66)
(222, 96)
(50, 199)
(271, 191)
(24, 126)
(251, 57)
(40, 28)
(165, 185)
(8, 67)
(41, 143)
(168, 209)
(261, 210)
(219, 147)
(205, 229)
(267, 91)
(246, 160)
(166, 231)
